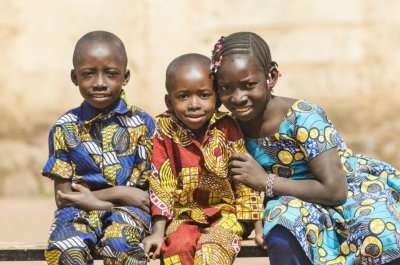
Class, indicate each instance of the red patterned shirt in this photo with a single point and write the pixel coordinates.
(191, 178)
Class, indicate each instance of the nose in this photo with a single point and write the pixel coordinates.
(194, 103)
(239, 97)
(100, 82)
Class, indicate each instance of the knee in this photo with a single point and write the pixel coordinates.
(68, 256)
(280, 238)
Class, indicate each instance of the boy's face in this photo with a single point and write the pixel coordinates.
(191, 97)
(100, 73)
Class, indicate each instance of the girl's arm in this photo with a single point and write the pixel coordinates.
(152, 244)
(328, 188)
(259, 235)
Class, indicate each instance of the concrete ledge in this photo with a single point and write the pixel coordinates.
(34, 251)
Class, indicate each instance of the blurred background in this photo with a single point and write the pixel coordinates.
(340, 54)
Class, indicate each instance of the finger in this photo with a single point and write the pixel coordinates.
(157, 253)
(238, 156)
(236, 163)
(75, 186)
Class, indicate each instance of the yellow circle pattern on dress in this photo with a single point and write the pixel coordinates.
(285, 157)
(321, 252)
(390, 226)
(339, 260)
(371, 247)
(312, 234)
(314, 133)
(364, 211)
(295, 203)
(377, 226)
(344, 247)
(299, 156)
(368, 201)
(276, 212)
(302, 135)
(353, 247)
(304, 211)
(372, 186)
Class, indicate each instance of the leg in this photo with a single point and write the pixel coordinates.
(124, 229)
(180, 245)
(283, 248)
(221, 243)
(218, 246)
(71, 238)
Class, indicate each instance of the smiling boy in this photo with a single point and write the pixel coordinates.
(99, 159)
(194, 203)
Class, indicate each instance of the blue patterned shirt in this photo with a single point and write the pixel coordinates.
(101, 150)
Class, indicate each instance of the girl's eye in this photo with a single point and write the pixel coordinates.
(222, 88)
(251, 84)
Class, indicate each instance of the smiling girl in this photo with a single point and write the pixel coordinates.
(326, 205)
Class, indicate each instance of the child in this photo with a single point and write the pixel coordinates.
(193, 200)
(100, 161)
(326, 205)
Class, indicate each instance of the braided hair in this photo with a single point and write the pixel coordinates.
(247, 43)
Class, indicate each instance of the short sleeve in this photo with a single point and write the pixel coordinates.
(59, 163)
(311, 129)
(162, 180)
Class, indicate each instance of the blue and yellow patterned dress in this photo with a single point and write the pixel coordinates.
(366, 228)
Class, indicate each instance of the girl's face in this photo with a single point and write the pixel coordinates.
(242, 87)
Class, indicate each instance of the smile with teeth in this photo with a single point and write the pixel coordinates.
(242, 109)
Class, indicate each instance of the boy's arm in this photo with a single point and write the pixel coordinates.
(69, 194)
(152, 244)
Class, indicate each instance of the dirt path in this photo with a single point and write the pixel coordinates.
(29, 219)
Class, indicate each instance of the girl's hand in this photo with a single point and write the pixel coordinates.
(152, 245)
(245, 169)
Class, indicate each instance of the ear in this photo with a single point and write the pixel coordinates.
(74, 79)
(127, 76)
(168, 103)
(274, 75)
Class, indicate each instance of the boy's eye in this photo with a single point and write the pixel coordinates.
(87, 74)
(182, 96)
(112, 74)
(205, 95)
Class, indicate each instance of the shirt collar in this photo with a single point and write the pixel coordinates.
(87, 113)
(217, 115)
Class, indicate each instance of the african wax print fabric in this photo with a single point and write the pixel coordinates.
(115, 234)
(190, 179)
(191, 244)
(100, 150)
(366, 228)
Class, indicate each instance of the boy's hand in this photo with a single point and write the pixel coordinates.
(260, 240)
(81, 198)
(259, 234)
(245, 169)
(152, 245)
